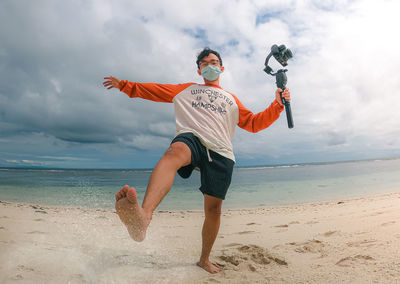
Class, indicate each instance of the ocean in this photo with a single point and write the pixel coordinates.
(250, 187)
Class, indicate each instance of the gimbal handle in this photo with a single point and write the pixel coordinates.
(288, 109)
(281, 81)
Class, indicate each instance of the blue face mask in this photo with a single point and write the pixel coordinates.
(211, 72)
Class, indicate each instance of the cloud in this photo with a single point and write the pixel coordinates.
(54, 54)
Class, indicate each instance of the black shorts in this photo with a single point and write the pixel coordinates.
(215, 170)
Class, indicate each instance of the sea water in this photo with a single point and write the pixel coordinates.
(250, 187)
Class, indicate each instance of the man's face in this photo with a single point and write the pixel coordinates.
(211, 59)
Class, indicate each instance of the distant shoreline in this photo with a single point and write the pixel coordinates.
(239, 167)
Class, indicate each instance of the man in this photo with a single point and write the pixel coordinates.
(206, 117)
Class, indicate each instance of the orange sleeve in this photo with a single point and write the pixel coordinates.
(256, 122)
(152, 91)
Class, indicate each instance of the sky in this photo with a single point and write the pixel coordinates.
(55, 112)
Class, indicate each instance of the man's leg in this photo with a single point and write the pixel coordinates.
(137, 218)
(212, 210)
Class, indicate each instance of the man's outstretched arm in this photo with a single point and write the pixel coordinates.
(256, 122)
(148, 91)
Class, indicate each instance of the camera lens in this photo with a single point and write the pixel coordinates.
(288, 54)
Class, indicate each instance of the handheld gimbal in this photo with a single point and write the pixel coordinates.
(282, 55)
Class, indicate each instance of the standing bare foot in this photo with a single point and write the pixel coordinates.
(209, 267)
(131, 213)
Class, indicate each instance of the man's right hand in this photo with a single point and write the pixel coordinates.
(111, 82)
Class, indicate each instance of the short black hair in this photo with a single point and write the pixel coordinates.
(206, 52)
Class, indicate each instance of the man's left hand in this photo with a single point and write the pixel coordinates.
(285, 95)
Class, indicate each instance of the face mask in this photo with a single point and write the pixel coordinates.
(211, 72)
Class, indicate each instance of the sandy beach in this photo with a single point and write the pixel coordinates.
(342, 241)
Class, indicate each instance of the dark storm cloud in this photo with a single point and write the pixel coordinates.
(52, 66)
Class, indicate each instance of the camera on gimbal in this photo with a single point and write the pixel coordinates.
(282, 55)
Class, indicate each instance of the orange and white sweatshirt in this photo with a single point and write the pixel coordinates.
(207, 111)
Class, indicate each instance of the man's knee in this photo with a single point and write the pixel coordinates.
(213, 211)
(179, 153)
(213, 206)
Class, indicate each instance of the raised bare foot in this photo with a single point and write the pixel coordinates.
(131, 213)
(209, 267)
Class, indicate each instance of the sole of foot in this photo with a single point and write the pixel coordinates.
(131, 213)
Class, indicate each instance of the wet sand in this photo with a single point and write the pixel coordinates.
(342, 241)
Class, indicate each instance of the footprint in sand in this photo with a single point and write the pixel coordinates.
(330, 233)
(250, 257)
(282, 226)
(17, 277)
(311, 246)
(351, 260)
(388, 224)
(24, 268)
(377, 213)
(37, 233)
(363, 243)
(246, 232)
